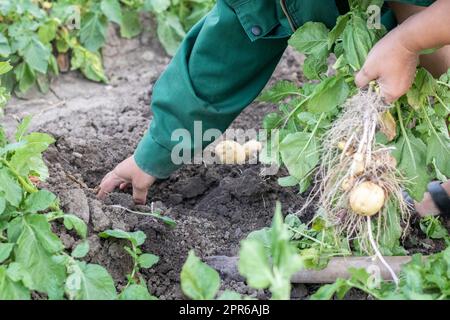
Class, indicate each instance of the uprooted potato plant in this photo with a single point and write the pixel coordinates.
(356, 152)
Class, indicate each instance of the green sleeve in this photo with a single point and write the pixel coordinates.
(218, 70)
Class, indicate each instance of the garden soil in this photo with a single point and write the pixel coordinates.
(98, 125)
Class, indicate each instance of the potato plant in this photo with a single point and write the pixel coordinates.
(32, 257)
(42, 38)
(329, 134)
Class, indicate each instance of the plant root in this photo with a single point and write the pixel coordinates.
(350, 157)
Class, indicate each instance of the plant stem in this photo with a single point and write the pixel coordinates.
(443, 83)
(309, 237)
(402, 127)
(25, 184)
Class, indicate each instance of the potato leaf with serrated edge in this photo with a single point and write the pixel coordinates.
(198, 280)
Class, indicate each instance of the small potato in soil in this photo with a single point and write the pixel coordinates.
(230, 152)
(252, 148)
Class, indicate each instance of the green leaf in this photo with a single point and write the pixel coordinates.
(93, 30)
(137, 238)
(357, 41)
(272, 121)
(36, 55)
(5, 49)
(136, 292)
(81, 250)
(112, 10)
(47, 31)
(280, 91)
(410, 153)
(11, 290)
(39, 201)
(389, 240)
(73, 222)
(198, 280)
(147, 260)
(25, 76)
(10, 187)
(157, 6)
(424, 86)
(286, 261)
(300, 154)
(253, 264)
(329, 94)
(433, 228)
(90, 64)
(288, 181)
(22, 128)
(327, 292)
(35, 249)
(5, 251)
(438, 152)
(170, 32)
(2, 204)
(230, 295)
(311, 38)
(130, 26)
(338, 29)
(314, 67)
(90, 282)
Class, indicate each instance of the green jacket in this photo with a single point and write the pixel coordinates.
(222, 65)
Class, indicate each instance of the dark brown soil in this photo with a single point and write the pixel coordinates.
(97, 126)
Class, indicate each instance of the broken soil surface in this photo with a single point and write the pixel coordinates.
(97, 126)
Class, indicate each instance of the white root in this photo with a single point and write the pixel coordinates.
(378, 253)
(345, 166)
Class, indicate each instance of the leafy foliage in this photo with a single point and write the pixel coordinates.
(421, 279)
(42, 38)
(32, 257)
(136, 288)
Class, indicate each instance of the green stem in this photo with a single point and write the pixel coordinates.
(443, 83)
(309, 237)
(430, 124)
(402, 127)
(25, 184)
(442, 102)
(3, 238)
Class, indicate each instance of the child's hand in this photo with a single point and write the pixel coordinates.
(391, 64)
(127, 172)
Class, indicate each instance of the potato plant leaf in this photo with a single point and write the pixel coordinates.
(198, 280)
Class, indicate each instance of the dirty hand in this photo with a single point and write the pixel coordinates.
(127, 173)
(392, 64)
